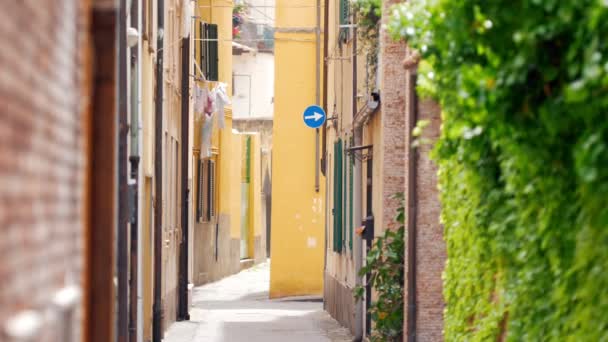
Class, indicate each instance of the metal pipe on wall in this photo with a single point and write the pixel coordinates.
(318, 91)
(134, 158)
(122, 236)
(358, 134)
(324, 144)
(182, 313)
(325, 72)
(140, 245)
(411, 214)
(158, 180)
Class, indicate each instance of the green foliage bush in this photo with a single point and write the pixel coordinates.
(384, 265)
(523, 158)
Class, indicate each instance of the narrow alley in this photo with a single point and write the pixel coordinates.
(303, 170)
(237, 308)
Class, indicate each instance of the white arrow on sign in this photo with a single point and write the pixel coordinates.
(316, 116)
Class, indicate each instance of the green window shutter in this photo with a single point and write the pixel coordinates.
(335, 207)
(338, 196)
(344, 19)
(212, 60)
(344, 12)
(208, 51)
(201, 47)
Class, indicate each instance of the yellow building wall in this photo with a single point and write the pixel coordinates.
(298, 238)
(223, 141)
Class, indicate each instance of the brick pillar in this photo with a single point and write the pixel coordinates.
(393, 79)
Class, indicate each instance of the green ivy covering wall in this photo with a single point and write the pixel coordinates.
(523, 159)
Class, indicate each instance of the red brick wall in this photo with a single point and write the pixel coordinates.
(393, 121)
(42, 157)
(430, 246)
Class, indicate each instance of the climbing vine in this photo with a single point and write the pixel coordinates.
(385, 270)
(523, 158)
(368, 14)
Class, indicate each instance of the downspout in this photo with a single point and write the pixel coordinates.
(318, 91)
(324, 145)
(411, 214)
(122, 236)
(325, 72)
(358, 253)
(185, 128)
(158, 179)
(134, 181)
(140, 245)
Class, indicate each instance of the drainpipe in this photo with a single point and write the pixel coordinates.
(134, 180)
(411, 215)
(185, 128)
(122, 236)
(318, 91)
(158, 179)
(140, 255)
(357, 248)
(325, 72)
(324, 145)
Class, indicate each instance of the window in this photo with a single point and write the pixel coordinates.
(205, 197)
(208, 51)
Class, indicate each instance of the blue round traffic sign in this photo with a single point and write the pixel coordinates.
(314, 116)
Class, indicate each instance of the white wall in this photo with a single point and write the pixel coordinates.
(262, 11)
(253, 85)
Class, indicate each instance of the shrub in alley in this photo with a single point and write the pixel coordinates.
(523, 158)
(385, 270)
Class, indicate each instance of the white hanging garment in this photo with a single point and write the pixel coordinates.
(222, 100)
(200, 100)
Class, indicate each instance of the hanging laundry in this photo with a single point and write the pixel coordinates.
(210, 103)
(200, 100)
(222, 100)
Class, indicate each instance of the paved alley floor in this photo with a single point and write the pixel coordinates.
(237, 309)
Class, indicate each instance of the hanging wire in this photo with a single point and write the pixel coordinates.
(260, 6)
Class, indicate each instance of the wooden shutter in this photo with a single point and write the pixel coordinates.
(202, 48)
(344, 12)
(208, 50)
(213, 50)
(199, 192)
(211, 190)
(338, 196)
(344, 19)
